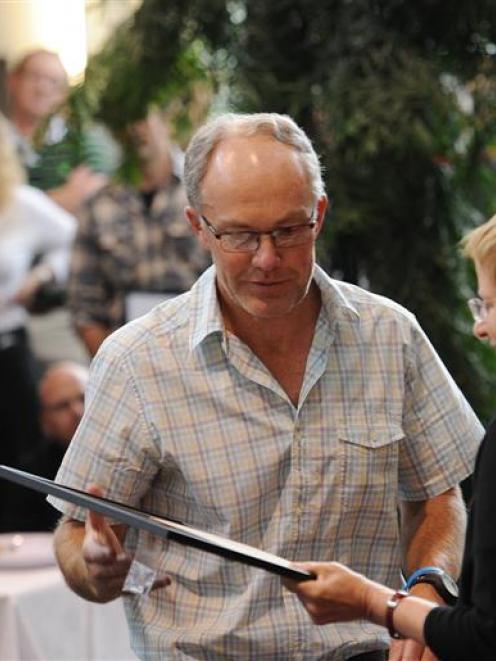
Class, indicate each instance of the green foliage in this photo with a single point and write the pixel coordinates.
(379, 86)
(153, 58)
(382, 87)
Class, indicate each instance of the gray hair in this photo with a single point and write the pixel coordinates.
(280, 127)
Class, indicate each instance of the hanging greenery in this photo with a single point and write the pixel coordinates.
(399, 98)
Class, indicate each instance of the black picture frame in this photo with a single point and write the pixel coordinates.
(164, 528)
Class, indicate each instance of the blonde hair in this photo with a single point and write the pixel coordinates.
(11, 172)
(480, 243)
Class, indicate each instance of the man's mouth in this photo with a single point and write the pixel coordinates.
(267, 283)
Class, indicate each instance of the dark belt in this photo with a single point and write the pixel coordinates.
(376, 655)
(12, 338)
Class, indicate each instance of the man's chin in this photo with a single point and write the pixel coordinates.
(267, 309)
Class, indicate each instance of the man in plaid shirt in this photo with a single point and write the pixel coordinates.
(133, 246)
(274, 406)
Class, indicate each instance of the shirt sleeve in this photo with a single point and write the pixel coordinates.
(114, 446)
(53, 227)
(468, 630)
(442, 433)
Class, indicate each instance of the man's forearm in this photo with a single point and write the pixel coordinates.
(433, 532)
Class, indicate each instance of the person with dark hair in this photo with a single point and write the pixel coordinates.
(270, 404)
(465, 630)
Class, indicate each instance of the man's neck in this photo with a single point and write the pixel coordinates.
(276, 334)
(282, 344)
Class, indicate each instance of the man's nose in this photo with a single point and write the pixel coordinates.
(266, 256)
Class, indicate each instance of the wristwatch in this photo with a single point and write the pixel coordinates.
(442, 582)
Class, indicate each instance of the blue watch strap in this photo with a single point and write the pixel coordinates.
(422, 572)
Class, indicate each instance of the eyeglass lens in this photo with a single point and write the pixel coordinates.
(284, 237)
(478, 309)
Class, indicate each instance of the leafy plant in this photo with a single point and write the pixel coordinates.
(399, 100)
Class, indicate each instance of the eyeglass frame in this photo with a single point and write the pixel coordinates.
(478, 308)
(311, 223)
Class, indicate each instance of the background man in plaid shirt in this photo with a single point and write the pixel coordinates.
(133, 246)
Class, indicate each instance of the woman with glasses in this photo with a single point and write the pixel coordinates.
(467, 630)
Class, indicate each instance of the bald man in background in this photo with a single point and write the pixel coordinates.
(61, 394)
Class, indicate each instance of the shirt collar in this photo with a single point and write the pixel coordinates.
(335, 301)
(207, 318)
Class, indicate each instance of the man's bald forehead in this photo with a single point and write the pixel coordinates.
(40, 55)
(59, 372)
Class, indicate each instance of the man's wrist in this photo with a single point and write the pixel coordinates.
(435, 580)
(427, 592)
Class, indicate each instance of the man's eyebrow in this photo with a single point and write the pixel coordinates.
(241, 226)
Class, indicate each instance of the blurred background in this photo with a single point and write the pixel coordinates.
(399, 98)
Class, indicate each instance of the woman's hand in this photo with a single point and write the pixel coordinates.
(36, 278)
(339, 594)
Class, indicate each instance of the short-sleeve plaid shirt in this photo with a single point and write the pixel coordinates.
(122, 246)
(182, 419)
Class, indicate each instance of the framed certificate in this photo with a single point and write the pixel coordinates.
(165, 528)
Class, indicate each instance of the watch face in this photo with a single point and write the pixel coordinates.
(444, 584)
(450, 584)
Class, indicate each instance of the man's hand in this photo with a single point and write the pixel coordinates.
(106, 561)
(92, 558)
(82, 183)
(409, 650)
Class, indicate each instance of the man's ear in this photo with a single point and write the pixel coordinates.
(193, 217)
(322, 204)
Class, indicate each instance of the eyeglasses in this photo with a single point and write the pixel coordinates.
(479, 309)
(249, 240)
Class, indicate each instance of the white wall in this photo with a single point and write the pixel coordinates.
(58, 25)
(71, 28)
